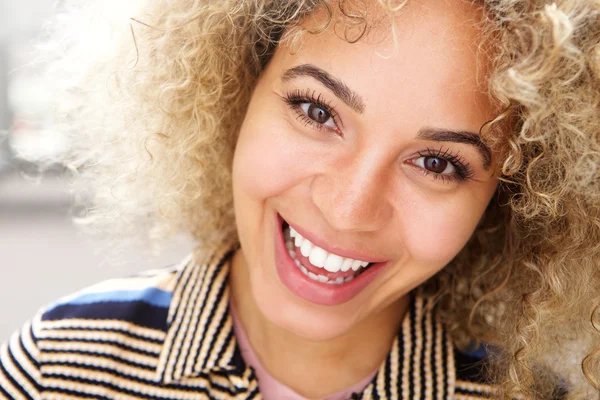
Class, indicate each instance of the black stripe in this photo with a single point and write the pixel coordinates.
(95, 383)
(31, 358)
(13, 381)
(237, 360)
(23, 372)
(125, 332)
(121, 345)
(183, 386)
(188, 277)
(217, 301)
(254, 393)
(413, 335)
(76, 393)
(183, 279)
(4, 394)
(400, 357)
(445, 369)
(193, 300)
(434, 349)
(388, 375)
(212, 338)
(137, 312)
(423, 323)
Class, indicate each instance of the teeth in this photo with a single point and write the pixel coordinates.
(311, 275)
(306, 248)
(321, 258)
(333, 262)
(347, 264)
(317, 257)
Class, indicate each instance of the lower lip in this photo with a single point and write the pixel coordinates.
(317, 292)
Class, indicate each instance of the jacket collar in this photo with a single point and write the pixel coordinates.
(200, 339)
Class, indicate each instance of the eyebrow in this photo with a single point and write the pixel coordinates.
(337, 86)
(471, 138)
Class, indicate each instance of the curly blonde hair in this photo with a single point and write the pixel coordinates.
(153, 96)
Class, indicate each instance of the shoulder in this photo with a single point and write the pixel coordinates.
(135, 306)
(112, 330)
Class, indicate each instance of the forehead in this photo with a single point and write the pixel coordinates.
(427, 60)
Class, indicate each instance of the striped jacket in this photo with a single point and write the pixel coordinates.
(168, 334)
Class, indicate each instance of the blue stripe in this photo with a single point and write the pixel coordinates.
(152, 296)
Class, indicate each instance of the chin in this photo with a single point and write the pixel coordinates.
(301, 318)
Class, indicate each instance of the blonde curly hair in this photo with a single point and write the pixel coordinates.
(153, 95)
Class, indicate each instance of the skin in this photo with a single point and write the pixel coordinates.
(358, 185)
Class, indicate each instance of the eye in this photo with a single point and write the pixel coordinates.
(313, 110)
(436, 165)
(443, 165)
(318, 114)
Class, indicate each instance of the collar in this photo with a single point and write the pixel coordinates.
(200, 339)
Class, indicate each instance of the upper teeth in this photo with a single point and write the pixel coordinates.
(322, 259)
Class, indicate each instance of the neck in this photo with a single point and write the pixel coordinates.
(319, 367)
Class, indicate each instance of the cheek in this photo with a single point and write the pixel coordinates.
(435, 233)
(266, 161)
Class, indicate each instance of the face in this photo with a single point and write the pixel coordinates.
(371, 154)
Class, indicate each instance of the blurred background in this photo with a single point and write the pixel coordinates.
(42, 254)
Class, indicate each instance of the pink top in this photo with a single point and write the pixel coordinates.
(269, 387)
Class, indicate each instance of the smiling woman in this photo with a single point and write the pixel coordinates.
(390, 199)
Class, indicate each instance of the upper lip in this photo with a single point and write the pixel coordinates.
(325, 245)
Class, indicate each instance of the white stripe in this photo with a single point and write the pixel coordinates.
(180, 322)
(194, 300)
(212, 314)
(45, 342)
(4, 382)
(66, 349)
(101, 325)
(17, 351)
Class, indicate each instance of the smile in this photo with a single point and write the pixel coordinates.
(318, 264)
(319, 275)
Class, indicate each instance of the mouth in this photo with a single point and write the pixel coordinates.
(317, 263)
(317, 275)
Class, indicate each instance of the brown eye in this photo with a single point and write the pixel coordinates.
(318, 114)
(435, 164)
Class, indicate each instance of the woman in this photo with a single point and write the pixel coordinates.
(391, 200)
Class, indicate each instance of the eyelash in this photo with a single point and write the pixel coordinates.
(297, 97)
(464, 171)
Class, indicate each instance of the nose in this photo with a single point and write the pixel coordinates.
(353, 197)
